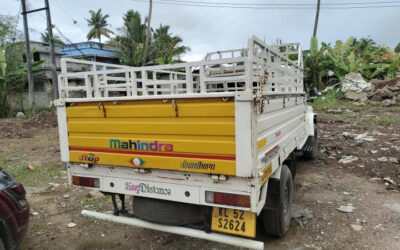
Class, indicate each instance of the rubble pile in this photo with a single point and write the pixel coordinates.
(380, 92)
(386, 92)
(355, 88)
(44, 119)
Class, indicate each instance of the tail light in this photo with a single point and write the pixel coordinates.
(14, 190)
(86, 181)
(236, 200)
(18, 189)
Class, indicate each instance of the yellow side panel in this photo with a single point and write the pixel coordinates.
(186, 108)
(191, 135)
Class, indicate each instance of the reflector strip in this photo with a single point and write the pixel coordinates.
(236, 200)
(85, 181)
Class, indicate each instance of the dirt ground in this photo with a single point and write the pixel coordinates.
(321, 187)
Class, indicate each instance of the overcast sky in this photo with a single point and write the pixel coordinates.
(206, 29)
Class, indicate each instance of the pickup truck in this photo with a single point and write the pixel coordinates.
(205, 149)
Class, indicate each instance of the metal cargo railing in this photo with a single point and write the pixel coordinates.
(221, 71)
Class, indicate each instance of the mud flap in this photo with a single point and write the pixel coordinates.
(308, 146)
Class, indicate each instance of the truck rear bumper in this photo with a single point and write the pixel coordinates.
(226, 239)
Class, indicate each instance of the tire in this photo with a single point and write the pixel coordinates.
(6, 238)
(312, 154)
(291, 163)
(168, 212)
(276, 214)
(2, 247)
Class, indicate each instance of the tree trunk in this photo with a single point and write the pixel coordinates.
(146, 45)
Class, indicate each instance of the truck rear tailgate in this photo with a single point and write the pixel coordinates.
(192, 135)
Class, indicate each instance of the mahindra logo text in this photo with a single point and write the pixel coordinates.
(141, 145)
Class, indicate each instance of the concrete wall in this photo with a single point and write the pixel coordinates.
(42, 99)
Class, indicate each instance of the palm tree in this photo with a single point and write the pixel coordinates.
(56, 39)
(132, 39)
(167, 46)
(163, 48)
(98, 22)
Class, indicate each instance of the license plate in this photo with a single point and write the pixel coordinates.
(234, 221)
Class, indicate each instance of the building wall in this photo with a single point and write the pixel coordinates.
(43, 93)
(43, 50)
(42, 99)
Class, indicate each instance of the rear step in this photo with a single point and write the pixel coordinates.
(221, 238)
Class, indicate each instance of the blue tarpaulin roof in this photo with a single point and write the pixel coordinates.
(88, 49)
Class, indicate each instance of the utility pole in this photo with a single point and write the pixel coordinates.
(316, 18)
(52, 54)
(28, 56)
(146, 46)
(28, 51)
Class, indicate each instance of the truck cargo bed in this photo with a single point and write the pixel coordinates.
(191, 135)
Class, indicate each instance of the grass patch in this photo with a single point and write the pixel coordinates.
(335, 99)
(102, 202)
(42, 174)
(384, 120)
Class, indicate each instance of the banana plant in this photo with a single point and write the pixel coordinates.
(316, 62)
(389, 64)
(344, 58)
(3, 84)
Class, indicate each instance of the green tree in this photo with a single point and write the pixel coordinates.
(13, 74)
(344, 58)
(363, 56)
(389, 64)
(164, 47)
(8, 30)
(397, 49)
(99, 24)
(131, 40)
(13, 70)
(56, 39)
(167, 46)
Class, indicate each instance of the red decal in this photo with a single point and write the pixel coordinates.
(131, 152)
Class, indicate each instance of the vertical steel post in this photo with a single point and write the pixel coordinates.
(52, 53)
(31, 97)
(316, 18)
(146, 45)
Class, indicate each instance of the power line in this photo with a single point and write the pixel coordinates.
(74, 21)
(62, 8)
(366, 5)
(68, 40)
(280, 4)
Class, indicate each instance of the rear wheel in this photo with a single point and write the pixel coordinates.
(276, 214)
(291, 163)
(168, 212)
(6, 239)
(2, 247)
